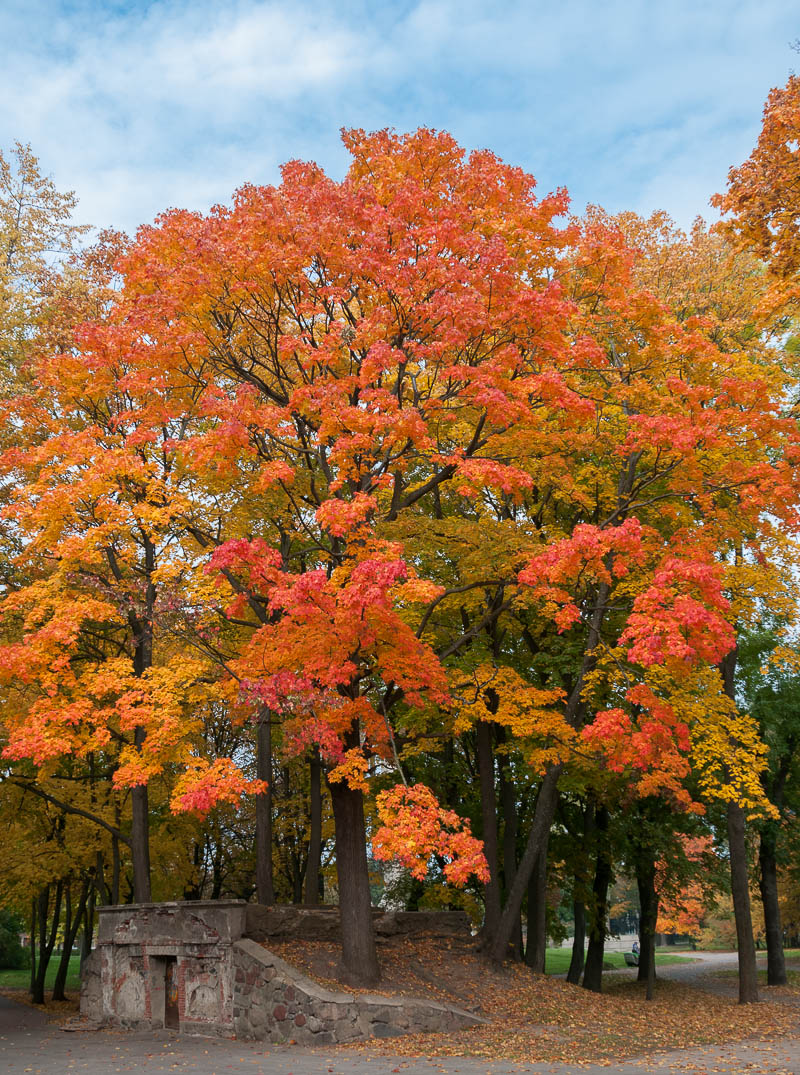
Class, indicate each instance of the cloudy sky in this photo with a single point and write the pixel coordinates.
(139, 106)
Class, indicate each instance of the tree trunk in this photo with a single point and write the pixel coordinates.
(740, 890)
(72, 924)
(648, 918)
(33, 945)
(508, 800)
(140, 840)
(265, 891)
(88, 926)
(578, 941)
(536, 948)
(115, 871)
(46, 943)
(142, 634)
(491, 890)
(740, 885)
(315, 832)
(768, 883)
(593, 972)
(359, 956)
(537, 838)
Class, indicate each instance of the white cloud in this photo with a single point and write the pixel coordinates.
(147, 105)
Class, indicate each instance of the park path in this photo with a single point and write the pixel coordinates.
(29, 1045)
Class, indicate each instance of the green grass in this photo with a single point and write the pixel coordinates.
(21, 979)
(557, 959)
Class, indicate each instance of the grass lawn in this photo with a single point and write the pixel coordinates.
(20, 979)
(557, 959)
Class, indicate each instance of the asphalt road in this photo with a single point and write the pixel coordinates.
(29, 1045)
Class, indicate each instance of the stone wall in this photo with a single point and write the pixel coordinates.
(273, 1001)
(192, 966)
(322, 923)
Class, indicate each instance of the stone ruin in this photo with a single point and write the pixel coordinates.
(198, 967)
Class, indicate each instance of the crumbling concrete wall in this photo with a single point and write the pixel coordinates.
(125, 981)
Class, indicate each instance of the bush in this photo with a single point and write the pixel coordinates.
(12, 955)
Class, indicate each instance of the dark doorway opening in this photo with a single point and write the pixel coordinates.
(171, 1011)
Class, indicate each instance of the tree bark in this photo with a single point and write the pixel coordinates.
(115, 871)
(740, 890)
(140, 838)
(578, 942)
(539, 833)
(648, 918)
(768, 884)
(491, 890)
(265, 891)
(88, 925)
(593, 972)
(46, 943)
(33, 944)
(536, 948)
(740, 885)
(142, 632)
(359, 965)
(315, 832)
(508, 801)
(72, 923)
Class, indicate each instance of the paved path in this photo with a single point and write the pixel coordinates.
(49, 1051)
(29, 1045)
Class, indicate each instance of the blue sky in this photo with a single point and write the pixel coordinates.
(629, 104)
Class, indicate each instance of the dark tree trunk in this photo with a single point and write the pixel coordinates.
(768, 883)
(648, 917)
(740, 886)
(537, 839)
(72, 923)
(491, 890)
(593, 972)
(88, 925)
(536, 948)
(46, 943)
(34, 922)
(115, 871)
(740, 890)
(265, 891)
(142, 632)
(315, 832)
(547, 798)
(66, 951)
(100, 879)
(359, 955)
(508, 800)
(579, 940)
(140, 840)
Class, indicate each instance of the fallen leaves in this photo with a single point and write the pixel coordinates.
(534, 1018)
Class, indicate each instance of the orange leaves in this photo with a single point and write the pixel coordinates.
(329, 633)
(414, 828)
(762, 195)
(680, 617)
(203, 785)
(588, 554)
(340, 517)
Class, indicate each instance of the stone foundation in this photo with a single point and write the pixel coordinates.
(194, 967)
(273, 1001)
(125, 982)
(322, 923)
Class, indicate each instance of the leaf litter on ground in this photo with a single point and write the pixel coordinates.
(532, 1017)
